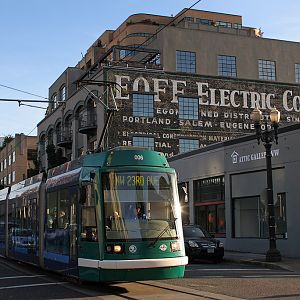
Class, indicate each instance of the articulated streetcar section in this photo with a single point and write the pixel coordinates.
(109, 216)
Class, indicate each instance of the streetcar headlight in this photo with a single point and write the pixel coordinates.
(114, 248)
(118, 248)
(193, 244)
(175, 246)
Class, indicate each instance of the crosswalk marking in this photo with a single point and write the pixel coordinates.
(191, 270)
(32, 285)
(23, 276)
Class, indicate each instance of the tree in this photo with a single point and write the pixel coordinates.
(51, 156)
(7, 140)
(55, 156)
(36, 170)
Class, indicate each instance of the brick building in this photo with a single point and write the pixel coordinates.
(17, 159)
(182, 83)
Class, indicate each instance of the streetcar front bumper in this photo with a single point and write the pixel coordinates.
(133, 263)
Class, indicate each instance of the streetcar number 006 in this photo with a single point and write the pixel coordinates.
(138, 157)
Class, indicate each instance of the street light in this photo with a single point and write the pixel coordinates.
(268, 136)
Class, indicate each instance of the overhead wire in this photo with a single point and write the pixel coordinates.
(34, 106)
(25, 92)
(25, 100)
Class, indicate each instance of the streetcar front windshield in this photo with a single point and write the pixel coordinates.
(140, 205)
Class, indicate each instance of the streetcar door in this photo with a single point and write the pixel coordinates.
(88, 247)
(73, 192)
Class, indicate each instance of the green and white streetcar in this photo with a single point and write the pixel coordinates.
(109, 216)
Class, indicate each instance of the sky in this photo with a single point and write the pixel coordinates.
(39, 39)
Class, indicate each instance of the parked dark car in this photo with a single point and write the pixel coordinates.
(199, 244)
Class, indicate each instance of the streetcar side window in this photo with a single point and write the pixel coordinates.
(52, 210)
(88, 215)
(2, 227)
(63, 210)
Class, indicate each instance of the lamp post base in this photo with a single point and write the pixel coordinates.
(273, 255)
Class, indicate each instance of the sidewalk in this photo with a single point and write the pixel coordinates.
(289, 264)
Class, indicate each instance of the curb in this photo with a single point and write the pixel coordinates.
(258, 263)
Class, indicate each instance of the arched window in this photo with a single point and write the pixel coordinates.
(58, 131)
(42, 144)
(54, 101)
(50, 137)
(63, 93)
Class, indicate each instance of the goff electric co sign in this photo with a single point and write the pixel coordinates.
(224, 107)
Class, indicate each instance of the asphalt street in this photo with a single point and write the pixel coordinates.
(225, 281)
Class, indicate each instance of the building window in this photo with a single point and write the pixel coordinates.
(224, 24)
(209, 189)
(186, 61)
(186, 145)
(297, 72)
(9, 178)
(42, 145)
(9, 160)
(204, 21)
(13, 176)
(211, 218)
(183, 193)
(14, 156)
(63, 93)
(144, 142)
(280, 216)
(266, 69)
(237, 26)
(50, 137)
(155, 60)
(227, 65)
(250, 218)
(54, 101)
(143, 105)
(4, 163)
(145, 34)
(209, 199)
(188, 108)
(188, 19)
(127, 52)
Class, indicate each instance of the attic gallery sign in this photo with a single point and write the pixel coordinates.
(209, 95)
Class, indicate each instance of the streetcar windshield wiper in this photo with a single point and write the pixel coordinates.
(162, 233)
